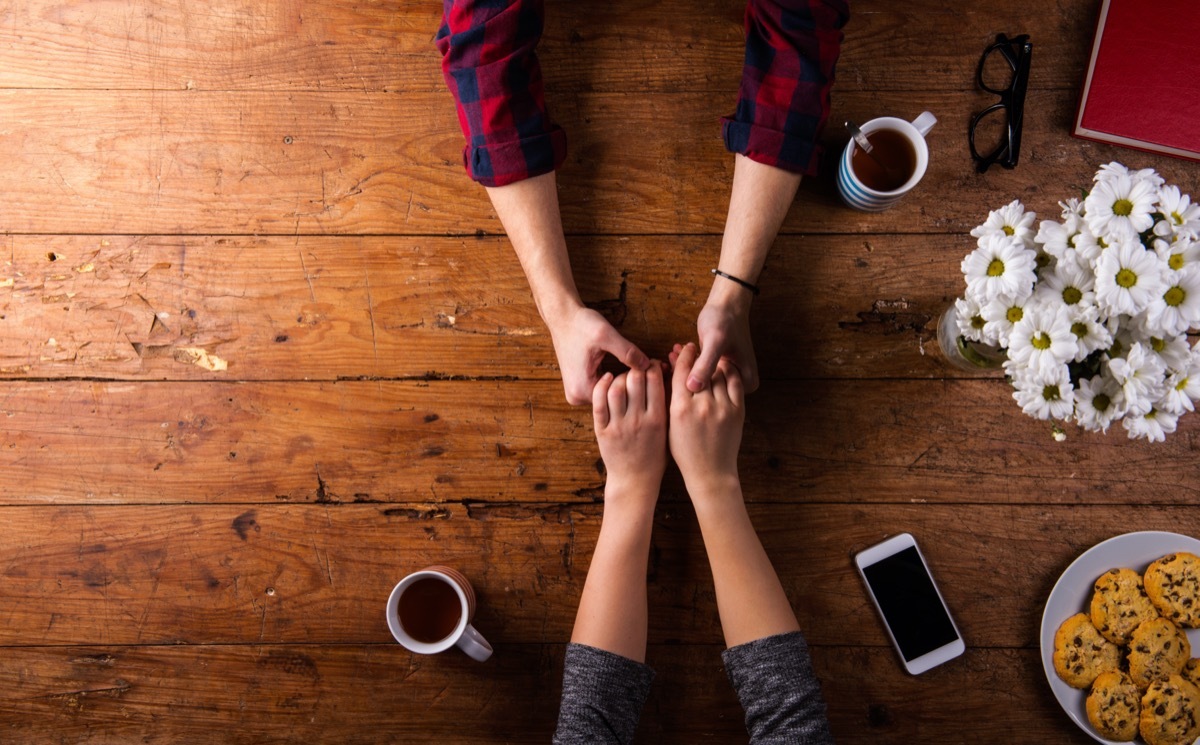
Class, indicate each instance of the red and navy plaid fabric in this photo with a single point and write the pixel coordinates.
(491, 66)
(489, 62)
(792, 47)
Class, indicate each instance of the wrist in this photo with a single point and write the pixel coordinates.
(558, 310)
(729, 295)
(714, 490)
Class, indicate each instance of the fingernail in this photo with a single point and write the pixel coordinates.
(695, 385)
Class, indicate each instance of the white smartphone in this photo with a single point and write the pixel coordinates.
(914, 613)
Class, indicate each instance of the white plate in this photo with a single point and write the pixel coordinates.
(1073, 594)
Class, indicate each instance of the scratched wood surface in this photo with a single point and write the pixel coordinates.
(264, 350)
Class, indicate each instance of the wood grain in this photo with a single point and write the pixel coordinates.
(250, 162)
(291, 694)
(628, 47)
(272, 574)
(507, 441)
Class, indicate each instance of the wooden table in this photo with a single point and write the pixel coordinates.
(264, 351)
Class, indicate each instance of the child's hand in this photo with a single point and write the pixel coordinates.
(706, 426)
(630, 417)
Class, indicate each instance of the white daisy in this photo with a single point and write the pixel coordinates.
(1070, 283)
(1172, 350)
(1120, 205)
(1177, 308)
(1045, 395)
(1113, 170)
(1042, 339)
(971, 323)
(1180, 216)
(1088, 245)
(1127, 278)
(1010, 220)
(1178, 252)
(1154, 425)
(1141, 377)
(1098, 401)
(1001, 315)
(1001, 265)
(1183, 388)
(1090, 334)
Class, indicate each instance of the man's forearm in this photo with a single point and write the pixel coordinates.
(758, 205)
(528, 210)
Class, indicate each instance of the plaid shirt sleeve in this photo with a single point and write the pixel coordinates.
(792, 47)
(491, 66)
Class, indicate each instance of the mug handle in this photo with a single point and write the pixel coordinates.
(924, 122)
(473, 643)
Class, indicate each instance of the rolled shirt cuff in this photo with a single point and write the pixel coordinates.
(499, 163)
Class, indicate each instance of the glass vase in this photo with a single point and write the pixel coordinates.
(962, 353)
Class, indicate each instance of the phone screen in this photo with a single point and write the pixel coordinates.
(910, 603)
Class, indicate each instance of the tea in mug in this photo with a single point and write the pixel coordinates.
(889, 165)
(430, 610)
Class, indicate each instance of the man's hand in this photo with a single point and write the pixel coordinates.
(581, 339)
(723, 328)
(629, 412)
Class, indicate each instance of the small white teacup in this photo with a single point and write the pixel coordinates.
(893, 171)
(430, 611)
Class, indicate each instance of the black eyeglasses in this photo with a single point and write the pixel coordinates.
(1003, 70)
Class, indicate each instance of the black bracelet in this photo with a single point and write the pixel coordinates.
(731, 278)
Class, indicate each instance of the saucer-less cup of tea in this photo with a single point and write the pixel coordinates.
(873, 181)
(430, 611)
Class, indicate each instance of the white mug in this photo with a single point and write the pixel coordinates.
(858, 195)
(419, 599)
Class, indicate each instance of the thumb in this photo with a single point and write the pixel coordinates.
(703, 371)
(624, 350)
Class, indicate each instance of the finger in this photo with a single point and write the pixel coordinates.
(683, 365)
(618, 399)
(624, 350)
(705, 366)
(734, 383)
(600, 415)
(720, 389)
(635, 387)
(656, 394)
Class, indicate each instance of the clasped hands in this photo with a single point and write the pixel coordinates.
(582, 337)
(635, 421)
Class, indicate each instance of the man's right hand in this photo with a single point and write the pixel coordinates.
(581, 339)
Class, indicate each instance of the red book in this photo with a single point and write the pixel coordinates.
(1143, 81)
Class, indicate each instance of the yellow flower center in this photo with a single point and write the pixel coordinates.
(1175, 262)
(1123, 208)
(1071, 295)
(1008, 230)
(1079, 329)
(1043, 260)
(1050, 393)
(1101, 242)
(977, 322)
(1041, 341)
(1157, 344)
(1014, 314)
(1182, 384)
(996, 268)
(1175, 296)
(1101, 402)
(1177, 218)
(1126, 278)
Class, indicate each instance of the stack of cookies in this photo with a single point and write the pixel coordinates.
(1131, 652)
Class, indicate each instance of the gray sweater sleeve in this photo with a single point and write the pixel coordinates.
(602, 698)
(779, 691)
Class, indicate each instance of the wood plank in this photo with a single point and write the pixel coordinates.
(86, 442)
(380, 694)
(336, 45)
(326, 308)
(287, 574)
(362, 163)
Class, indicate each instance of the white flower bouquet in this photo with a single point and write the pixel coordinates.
(1093, 310)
